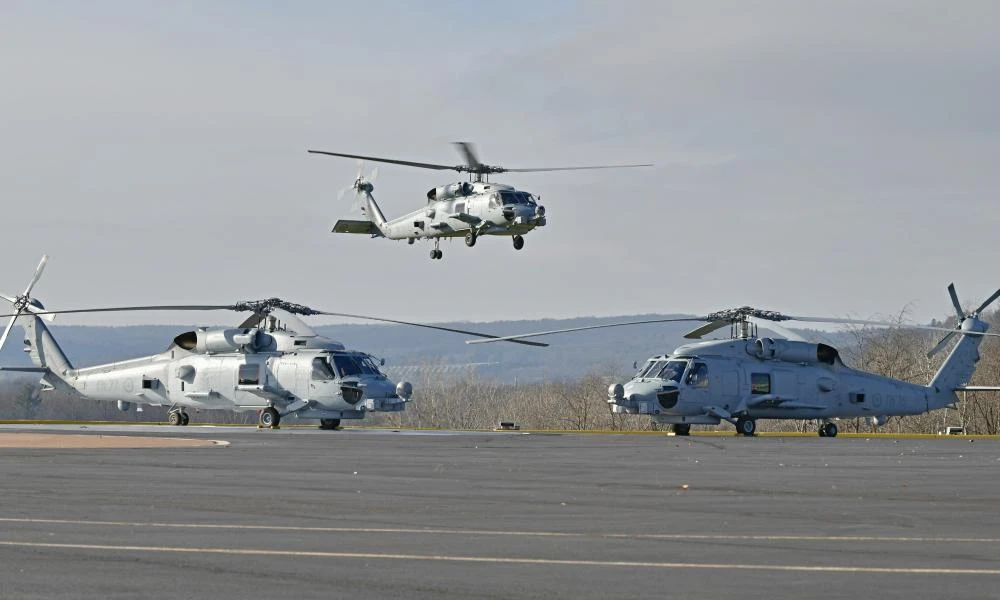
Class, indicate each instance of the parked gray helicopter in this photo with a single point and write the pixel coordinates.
(272, 363)
(747, 377)
(470, 209)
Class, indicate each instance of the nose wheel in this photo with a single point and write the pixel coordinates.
(329, 423)
(470, 239)
(518, 242)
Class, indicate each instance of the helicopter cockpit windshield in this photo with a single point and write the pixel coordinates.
(353, 365)
(670, 370)
(507, 197)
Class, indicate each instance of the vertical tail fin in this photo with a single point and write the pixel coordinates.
(42, 347)
(374, 213)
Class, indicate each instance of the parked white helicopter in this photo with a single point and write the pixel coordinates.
(747, 377)
(468, 209)
(272, 363)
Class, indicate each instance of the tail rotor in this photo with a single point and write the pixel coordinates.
(361, 184)
(961, 317)
(25, 303)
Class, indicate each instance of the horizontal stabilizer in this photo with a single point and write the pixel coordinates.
(25, 369)
(978, 388)
(347, 226)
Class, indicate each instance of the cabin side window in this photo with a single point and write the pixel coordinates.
(698, 375)
(760, 383)
(321, 370)
(249, 375)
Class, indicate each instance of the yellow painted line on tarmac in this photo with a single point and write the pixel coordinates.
(500, 532)
(503, 559)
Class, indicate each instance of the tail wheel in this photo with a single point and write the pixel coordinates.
(746, 426)
(518, 242)
(269, 418)
(682, 429)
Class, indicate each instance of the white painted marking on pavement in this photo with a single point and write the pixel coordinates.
(508, 560)
(554, 534)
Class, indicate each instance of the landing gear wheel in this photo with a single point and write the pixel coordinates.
(174, 418)
(682, 429)
(269, 418)
(185, 419)
(828, 430)
(746, 426)
(518, 242)
(470, 239)
(329, 423)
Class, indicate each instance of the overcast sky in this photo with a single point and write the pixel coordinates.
(831, 158)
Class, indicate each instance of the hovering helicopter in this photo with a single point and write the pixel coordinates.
(470, 209)
(746, 377)
(272, 363)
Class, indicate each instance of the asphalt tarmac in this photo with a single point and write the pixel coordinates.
(376, 514)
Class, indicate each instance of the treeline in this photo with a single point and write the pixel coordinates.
(469, 402)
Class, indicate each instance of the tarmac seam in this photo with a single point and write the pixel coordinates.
(508, 560)
(488, 532)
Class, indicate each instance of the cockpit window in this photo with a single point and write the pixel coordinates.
(651, 368)
(321, 370)
(516, 198)
(698, 375)
(672, 371)
(354, 364)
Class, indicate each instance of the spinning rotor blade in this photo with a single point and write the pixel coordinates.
(492, 338)
(543, 169)
(521, 336)
(393, 161)
(468, 152)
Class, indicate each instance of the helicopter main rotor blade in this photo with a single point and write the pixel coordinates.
(833, 320)
(707, 329)
(519, 337)
(771, 325)
(42, 313)
(543, 169)
(392, 161)
(492, 338)
(468, 152)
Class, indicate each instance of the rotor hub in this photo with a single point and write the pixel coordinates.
(742, 312)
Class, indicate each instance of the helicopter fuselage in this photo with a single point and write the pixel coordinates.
(703, 383)
(455, 210)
